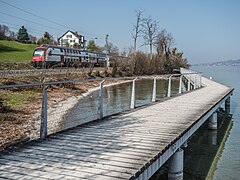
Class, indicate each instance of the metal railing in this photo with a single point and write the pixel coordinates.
(193, 78)
(187, 81)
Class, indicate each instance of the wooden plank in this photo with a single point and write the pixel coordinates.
(69, 166)
(77, 171)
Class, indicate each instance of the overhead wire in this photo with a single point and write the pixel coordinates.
(18, 26)
(30, 21)
(50, 21)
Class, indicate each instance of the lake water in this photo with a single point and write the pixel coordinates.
(117, 99)
(228, 165)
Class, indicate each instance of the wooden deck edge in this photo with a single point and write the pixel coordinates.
(156, 162)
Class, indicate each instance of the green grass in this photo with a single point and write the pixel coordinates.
(16, 99)
(15, 52)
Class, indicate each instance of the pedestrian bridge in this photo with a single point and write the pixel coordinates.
(130, 145)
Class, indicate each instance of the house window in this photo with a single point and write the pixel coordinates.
(69, 36)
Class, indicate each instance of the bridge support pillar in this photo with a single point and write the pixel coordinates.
(212, 121)
(227, 105)
(175, 169)
(212, 137)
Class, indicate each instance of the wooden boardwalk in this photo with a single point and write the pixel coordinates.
(119, 147)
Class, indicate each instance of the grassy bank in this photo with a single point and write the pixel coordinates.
(12, 51)
(15, 55)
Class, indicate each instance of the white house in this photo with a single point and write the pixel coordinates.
(70, 38)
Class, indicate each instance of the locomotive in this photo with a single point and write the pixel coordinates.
(49, 56)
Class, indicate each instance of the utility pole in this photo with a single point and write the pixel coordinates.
(107, 44)
(108, 52)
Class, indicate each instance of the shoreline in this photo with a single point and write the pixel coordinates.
(57, 112)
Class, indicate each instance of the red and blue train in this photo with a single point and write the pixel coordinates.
(49, 55)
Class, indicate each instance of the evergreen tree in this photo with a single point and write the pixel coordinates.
(46, 39)
(22, 35)
(47, 36)
(92, 46)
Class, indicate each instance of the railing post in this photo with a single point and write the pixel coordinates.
(132, 106)
(198, 80)
(169, 86)
(154, 90)
(195, 81)
(180, 85)
(200, 76)
(100, 101)
(43, 128)
(189, 83)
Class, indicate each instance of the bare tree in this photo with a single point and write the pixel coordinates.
(164, 42)
(113, 50)
(32, 39)
(137, 28)
(150, 31)
(12, 35)
(4, 31)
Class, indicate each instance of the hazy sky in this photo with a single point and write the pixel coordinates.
(205, 30)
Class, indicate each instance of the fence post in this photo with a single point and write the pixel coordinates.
(154, 90)
(169, 86)
(132, 106)
(189, 83)
(200, 76)
(43, 128)
(100, 101)
(180, 85)
(195, 81)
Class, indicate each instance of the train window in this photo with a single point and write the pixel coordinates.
(61, 50)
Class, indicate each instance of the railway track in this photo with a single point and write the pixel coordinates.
(5, 73)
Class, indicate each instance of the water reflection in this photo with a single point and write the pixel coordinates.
(117, 99)
(203, 151)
